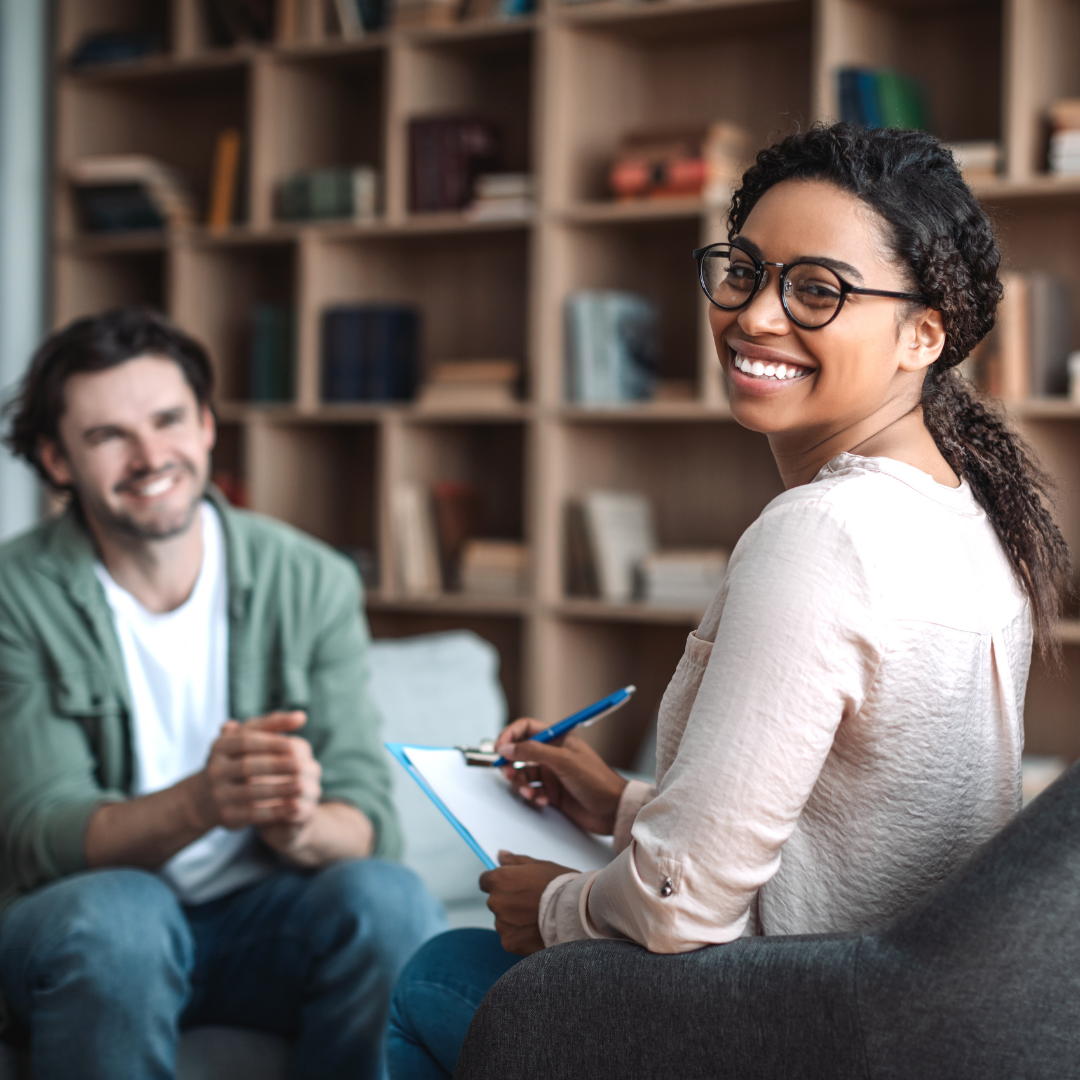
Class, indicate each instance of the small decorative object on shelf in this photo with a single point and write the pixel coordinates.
(881, 97)
(446, 155)
(129, 192)
(459, 516)
(1065, 137)
(977, 160)
(503, 197)
(369, 352)
(612, 346)
(698, 163)
(471, 384)
(348, 192)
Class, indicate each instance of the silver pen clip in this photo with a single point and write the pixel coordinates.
(485, 755)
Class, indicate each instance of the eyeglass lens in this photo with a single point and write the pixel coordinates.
(811, 295)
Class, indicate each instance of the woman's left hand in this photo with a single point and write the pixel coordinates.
(514, 892)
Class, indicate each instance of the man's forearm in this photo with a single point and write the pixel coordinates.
(337, 830)
(149, 830)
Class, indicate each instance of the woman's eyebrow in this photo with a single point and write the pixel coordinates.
(833, 264)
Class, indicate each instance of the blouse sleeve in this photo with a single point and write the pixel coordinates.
(796, 651)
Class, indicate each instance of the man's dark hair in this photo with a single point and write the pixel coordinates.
(95, 343)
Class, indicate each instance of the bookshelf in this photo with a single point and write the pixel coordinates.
(565, 85)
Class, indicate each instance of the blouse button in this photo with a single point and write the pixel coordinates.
(667, 888)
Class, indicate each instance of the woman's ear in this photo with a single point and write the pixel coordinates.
(922, 340)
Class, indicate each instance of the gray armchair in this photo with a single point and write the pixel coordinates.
(979, 980)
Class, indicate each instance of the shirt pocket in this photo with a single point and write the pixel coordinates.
(82, 693)
(678, 700)
(88, 698)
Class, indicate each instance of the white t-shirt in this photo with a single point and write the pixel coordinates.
(177, 668)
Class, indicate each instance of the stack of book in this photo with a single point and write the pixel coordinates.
(494, 568)
(471, 384)
(978, 160)
(612, 553)
(1065, 137)
(681, 577)
(272, 337)
(881, 97)
(1026, 354)
(369, 352)
(446, 155)
(349, 192)
(693, 163)
(502, 197)
(612, 347)
(126, 192)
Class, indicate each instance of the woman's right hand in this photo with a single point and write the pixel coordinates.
(570, 775)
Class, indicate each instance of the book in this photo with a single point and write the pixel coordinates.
(1027, 353)
(580, 566)
(415, 543)
(881, 97)
(494, 567)
(502, 197)
(612, 345)
(681, 577)
(620, 532)
(272, 351)
(116, 47)
(977, 160)
(459, 516)
(416, 14)
(350, 24)
(348, 192)
(369, 352)
(125, 192)
(224, 180)
(446, 155)
(232, 22)
(471, 384)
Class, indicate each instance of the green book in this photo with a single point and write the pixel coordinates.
(902, 101)
(271, 353)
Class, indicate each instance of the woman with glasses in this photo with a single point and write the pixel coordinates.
(845, 725)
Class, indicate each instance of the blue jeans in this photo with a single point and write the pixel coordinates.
(435, 999)
(105, 968)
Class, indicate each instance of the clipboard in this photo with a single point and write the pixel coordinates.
(482, 808)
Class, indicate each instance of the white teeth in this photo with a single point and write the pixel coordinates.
(781, 371)
(770, 370)
(766, 371)
(757, 368)
(158, 487)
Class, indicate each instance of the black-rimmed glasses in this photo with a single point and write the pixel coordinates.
(811, 292)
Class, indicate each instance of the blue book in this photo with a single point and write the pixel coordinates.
(850, 99)
(870, 99)
(344, 376)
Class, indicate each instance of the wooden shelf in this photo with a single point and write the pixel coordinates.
(601, 611)
(567, 85)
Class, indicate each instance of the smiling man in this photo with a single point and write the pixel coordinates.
(194, 803)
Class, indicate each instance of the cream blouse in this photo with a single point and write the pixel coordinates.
(844, 727)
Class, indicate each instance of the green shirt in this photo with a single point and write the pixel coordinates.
(297, 640)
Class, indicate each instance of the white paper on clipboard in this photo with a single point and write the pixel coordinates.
(481, 806)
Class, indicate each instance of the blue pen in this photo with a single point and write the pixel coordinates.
(589, 715)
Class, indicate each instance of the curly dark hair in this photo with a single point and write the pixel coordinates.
(95, 343)
(941, 237)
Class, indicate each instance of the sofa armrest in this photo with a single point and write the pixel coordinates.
(757, 1008)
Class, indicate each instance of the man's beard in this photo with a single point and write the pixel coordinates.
(124, 527)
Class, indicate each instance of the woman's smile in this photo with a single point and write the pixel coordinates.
(756, 369)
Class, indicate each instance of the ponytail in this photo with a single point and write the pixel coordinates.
(943, 242)
(977, 442)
